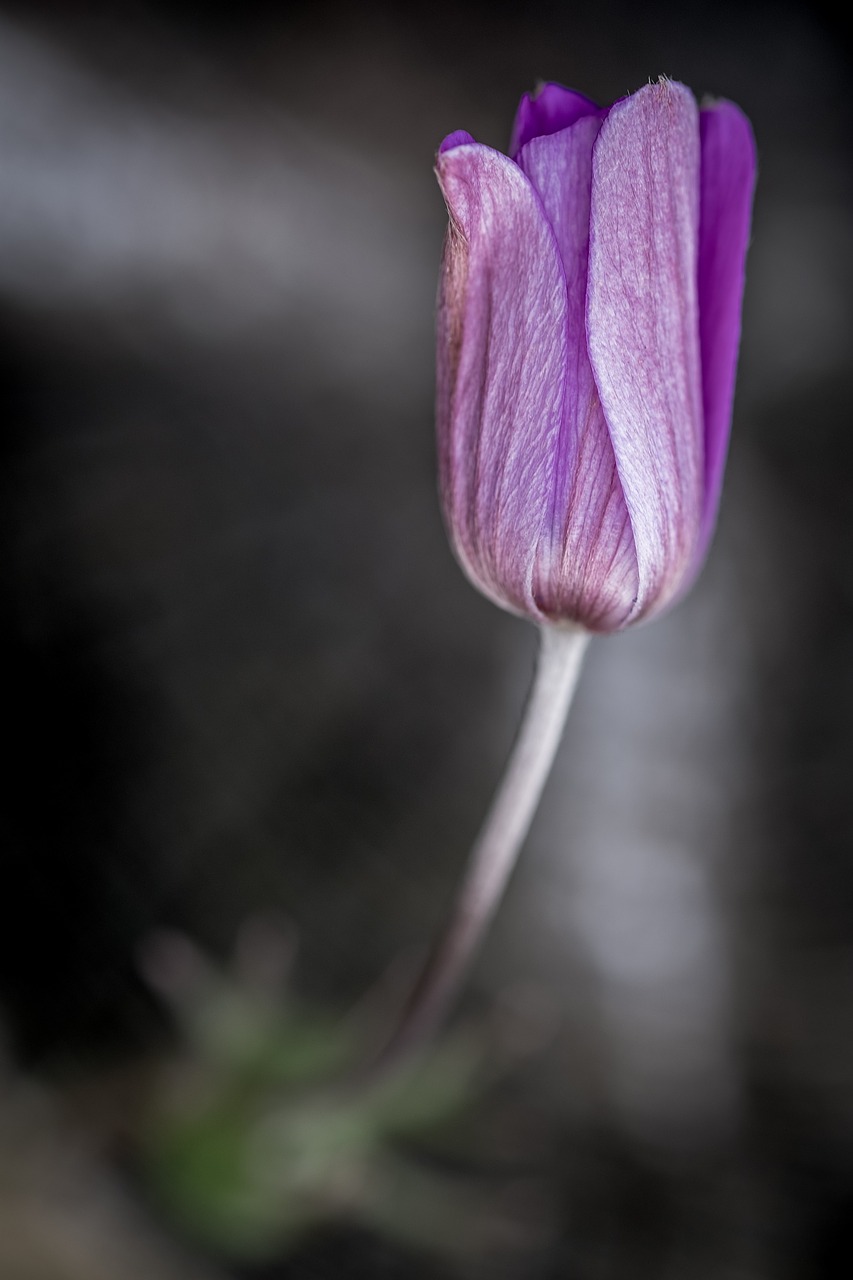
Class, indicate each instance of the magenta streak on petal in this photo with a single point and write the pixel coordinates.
(551, 108)
(586, 567)
(643, 327)
(726, 189)
(501, 366)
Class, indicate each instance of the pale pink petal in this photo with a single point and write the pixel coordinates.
(501, 370)
(586, 566)
(643, 325)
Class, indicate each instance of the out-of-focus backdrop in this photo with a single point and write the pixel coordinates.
(254, 713)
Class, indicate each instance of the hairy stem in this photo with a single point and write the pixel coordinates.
(497, 847)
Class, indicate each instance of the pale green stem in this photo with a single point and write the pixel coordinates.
(497, 847)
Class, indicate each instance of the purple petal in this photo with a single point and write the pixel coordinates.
(726, 188)
(456, 139)
(586, 567)
(501, 370)
(643, 326)
(551, 108)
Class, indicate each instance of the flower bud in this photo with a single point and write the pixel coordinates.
(588, 328)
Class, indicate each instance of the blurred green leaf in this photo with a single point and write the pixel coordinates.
(260, 1130)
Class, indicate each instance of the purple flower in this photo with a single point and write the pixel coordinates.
(588, 327)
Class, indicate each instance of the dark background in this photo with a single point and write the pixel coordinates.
(243, 672)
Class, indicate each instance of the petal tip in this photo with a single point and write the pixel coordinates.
(459, 138)
(548, 109)
(728, 116)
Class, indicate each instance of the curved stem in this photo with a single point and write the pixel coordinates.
(497, 847)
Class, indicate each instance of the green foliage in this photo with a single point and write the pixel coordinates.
(262, 1128)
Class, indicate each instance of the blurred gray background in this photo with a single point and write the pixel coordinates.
(245, 674)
